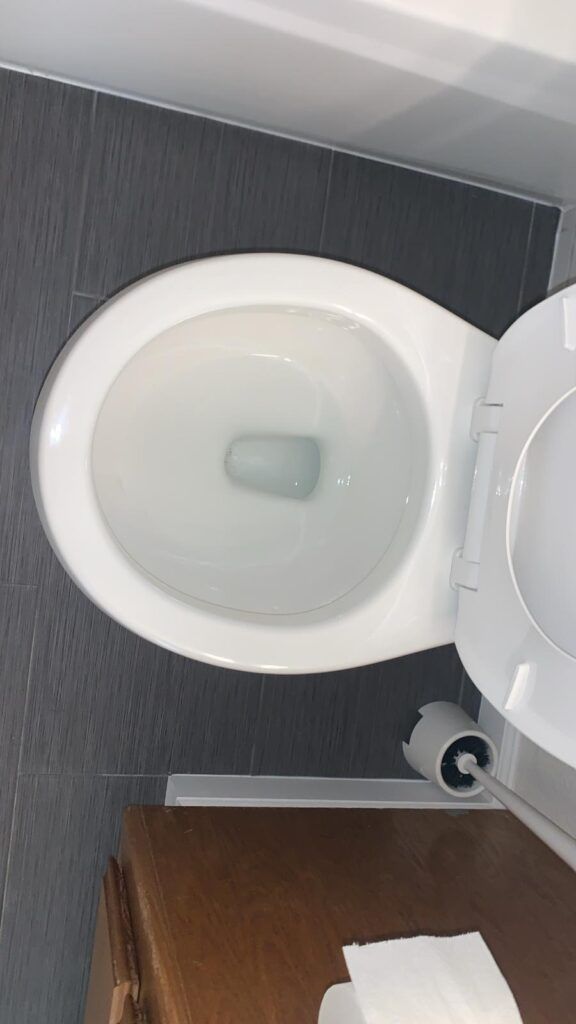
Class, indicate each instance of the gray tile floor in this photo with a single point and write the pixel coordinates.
(95, 191)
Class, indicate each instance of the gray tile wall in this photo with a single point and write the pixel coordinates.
(95, 191)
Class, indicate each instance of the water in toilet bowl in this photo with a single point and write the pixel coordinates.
(318, 400)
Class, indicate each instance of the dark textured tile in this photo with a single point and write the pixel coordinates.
(539, 256)
(44, 148)
(470, 696)
(269, 193)
(304, 725)
(350, 724)
(17, 608)
(81, 307)
(150, 191)
(104, 700)
(65, 829)
(461, 246)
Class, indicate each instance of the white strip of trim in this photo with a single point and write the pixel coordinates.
(290, 791)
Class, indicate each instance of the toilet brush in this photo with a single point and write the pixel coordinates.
(447, 747)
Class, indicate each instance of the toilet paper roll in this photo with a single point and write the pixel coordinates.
(429, 980)
(340, 1006)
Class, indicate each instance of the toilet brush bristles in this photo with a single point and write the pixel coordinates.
(451, 774)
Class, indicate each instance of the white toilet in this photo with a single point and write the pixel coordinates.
(287, 464)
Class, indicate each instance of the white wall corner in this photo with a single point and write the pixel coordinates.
(563, 269)
(506, 738)
(546, 783)
(541, 779)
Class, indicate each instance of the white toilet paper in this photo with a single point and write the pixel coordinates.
(428, 980)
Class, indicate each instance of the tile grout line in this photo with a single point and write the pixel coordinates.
(22, 586)
(73, 323)
(10, 853)
(83, 200)
(526, 259)
(216, 172)
(326, 201)
(9, 857)
(257, 725)
(28, 685)
(214, 189)
(64, 774)
(462, 685)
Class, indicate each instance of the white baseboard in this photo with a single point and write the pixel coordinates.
(546, 783)
(291, 791)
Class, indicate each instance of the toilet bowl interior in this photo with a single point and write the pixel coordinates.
(207, 434)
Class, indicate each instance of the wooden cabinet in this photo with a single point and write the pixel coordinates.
(114, 984)
(239, 915)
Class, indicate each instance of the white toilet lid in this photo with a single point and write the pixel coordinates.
(516, 575)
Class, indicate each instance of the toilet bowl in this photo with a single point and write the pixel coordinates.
(268, 462)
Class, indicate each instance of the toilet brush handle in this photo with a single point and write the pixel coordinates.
(555, 837)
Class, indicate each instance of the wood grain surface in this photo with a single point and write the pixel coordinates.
(114, 974)
(240, 915)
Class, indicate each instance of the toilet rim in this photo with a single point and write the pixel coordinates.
(97, 353)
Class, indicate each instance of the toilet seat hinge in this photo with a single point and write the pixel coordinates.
(484, 430)
(485, 418)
